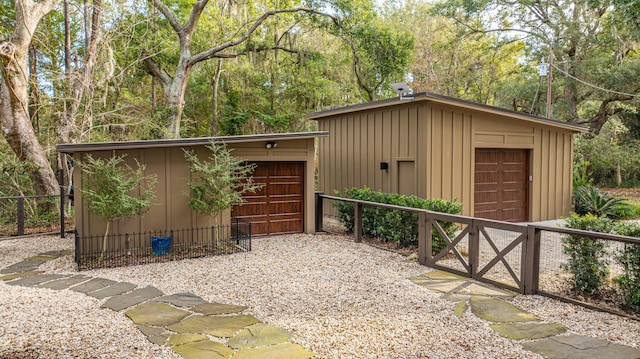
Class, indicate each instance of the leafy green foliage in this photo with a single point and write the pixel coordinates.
(587, 257)
(629, 258)
(218, 183)
(581, 174)
(111, 186)
(395, 225)
(613, 156)
(589, 200)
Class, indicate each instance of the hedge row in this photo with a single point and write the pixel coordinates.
(395, 225)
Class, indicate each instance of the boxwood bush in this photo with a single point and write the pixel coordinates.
(587, 257)
(396, 226)
(629, 258)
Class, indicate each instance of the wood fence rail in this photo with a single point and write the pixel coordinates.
(507, 241)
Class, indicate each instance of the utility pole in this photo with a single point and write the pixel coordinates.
(550, 81)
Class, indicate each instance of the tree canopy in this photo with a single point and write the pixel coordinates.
(91, 70)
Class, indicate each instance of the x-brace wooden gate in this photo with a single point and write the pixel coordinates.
(488, 251)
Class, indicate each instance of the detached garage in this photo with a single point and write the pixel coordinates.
(285, 166)
(500, 164)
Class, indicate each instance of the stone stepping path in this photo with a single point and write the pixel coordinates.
(186, 323)
(509, 321)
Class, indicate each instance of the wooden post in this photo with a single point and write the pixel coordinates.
(319, 211)
(358, 221)
(428, 224)
(474, 248)
(422, 238)
(20, 216)
(531, 260)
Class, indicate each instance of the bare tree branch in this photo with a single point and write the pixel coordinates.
(168, 14)
(190, 26)
(211, 53)
(157, 71)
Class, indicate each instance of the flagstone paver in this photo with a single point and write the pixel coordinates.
(488, 304)
(185, 338)
(442, 286)
(132, 298)
(93, 284)
(528, 331)
(160, 339)
(473, 288)
(218, 308)
(151, 331)
(495, 310)
(113, 290)
(279, 351)
(205, 349)
(157, 314)
(36, 280)
(181, 300)
(41, 257)
(580, 347)
(259, 335)
(219, 326)
(460, 308)
(22, 266)
(16, 275)
(64, 283)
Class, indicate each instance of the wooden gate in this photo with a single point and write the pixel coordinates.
(485, 250)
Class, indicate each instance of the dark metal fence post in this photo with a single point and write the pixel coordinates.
(20, 216)
(319, 211)
(422, 238)
(61, 181)
(531, 260)
(358, 221)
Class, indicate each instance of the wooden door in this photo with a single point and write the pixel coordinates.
(278, 207)
(501, 188)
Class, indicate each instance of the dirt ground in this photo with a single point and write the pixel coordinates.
(632, 194)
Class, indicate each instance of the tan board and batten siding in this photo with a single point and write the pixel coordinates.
(165, 159)
(436, 138)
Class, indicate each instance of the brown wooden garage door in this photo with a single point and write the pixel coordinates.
(502, 184)
(278, 207)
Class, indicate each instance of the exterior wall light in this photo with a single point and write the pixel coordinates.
(271, 145)
(384, 166)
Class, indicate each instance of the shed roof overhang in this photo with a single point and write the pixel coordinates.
(184, 142)
(431, 97)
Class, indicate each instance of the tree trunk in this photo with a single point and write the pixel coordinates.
(16, 125)
(214, 98)
(18, 130)
(174, 97)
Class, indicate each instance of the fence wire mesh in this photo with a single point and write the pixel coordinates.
(119, 250)
(500, 256)
(562, 274)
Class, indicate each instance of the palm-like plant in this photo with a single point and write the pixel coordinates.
(588, 199)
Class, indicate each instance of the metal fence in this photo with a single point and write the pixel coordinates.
(119, 250)
(40, 212)
(526, 258)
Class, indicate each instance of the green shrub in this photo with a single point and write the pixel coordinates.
(395, 225)
(589, 200)
(587, 261)
(629, 258)
(633, 210)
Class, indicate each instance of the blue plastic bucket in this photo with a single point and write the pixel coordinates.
(160, 245)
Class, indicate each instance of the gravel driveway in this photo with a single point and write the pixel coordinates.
(340, 299)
